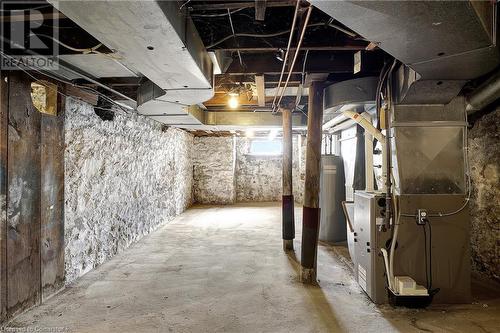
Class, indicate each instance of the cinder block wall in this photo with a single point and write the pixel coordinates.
(484, 157)
(123, 179)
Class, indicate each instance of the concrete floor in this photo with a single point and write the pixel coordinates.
(222, 269)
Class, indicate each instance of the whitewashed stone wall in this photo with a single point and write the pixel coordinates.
(258, 178)
(224, 173)
(484, 157)
(214, 170)
(123, 179)
(299, 168)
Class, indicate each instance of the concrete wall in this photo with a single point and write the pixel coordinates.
(214, 170)
(484, 157)
(255, 177)
(123, 179)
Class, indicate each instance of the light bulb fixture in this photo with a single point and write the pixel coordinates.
(233, 102)
(280, 55)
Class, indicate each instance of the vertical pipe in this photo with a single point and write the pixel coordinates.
(311, 213)
(369, 178)
(288, 202)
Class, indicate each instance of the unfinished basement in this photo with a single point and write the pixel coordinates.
(249, 166)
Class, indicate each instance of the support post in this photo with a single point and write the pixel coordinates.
(288, 215)
(311, 211)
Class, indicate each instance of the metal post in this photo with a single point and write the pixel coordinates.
(288, 202)
(311, 211)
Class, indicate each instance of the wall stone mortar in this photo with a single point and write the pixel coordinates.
(214, 166)
(484, 157)
(123, 179)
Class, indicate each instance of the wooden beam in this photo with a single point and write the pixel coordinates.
(256, 119)
(339, 62)
(221, 98)
(305, 48)
(261, 90)
(85, 96)
(4, 116)
(311, 211)
(260, 10)
(52, 200)
(33, 17)
(237, 5)
(23, 215)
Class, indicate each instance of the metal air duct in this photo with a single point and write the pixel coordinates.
(157, 39)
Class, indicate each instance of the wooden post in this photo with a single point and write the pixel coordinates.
(311, 213)
(288, 215)
(4, 116)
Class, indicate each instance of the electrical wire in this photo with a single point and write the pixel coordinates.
(304, 67)
(184, 4)
(430, 256)
(274, 34)
(299, 44)
(63, 81)
(285, 59)
(217, 15)
(84, 51)
(426, 259)
(378, 97)
(235, 40)
(301, 85)
(339, 28)
(91, 50)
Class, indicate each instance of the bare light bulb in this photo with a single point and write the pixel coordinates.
(233, 102)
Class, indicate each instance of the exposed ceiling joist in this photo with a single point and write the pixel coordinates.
(237, 5)
(340, 62)
(303, 48)
(261, 90)
(260, 10)
(38, 16)
(259, 119)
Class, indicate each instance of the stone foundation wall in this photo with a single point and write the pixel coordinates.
(258, 177)
(214, 170)
(123, 179)
(484, 157)
(225, 172)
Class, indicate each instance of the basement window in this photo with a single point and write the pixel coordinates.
(265, 147)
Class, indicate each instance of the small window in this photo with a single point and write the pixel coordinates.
(266, 147)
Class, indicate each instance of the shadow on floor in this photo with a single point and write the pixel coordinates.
(317, 297)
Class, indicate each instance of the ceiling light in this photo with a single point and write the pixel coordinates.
(280, 55)
(233, 102)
